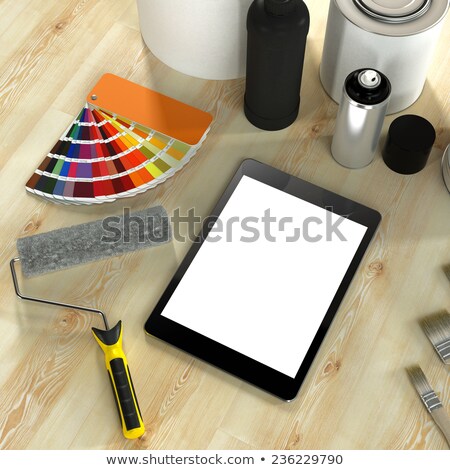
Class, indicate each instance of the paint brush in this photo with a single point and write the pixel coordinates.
(430, 400)
(437, 328)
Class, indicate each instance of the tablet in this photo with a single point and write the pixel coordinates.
(260, 286)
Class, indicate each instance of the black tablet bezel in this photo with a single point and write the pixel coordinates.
(225, 358)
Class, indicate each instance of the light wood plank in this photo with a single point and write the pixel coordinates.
(54, 388)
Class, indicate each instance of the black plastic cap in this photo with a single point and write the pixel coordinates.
(280, 7)
(408, 145)
(364, 95)
(109, 337)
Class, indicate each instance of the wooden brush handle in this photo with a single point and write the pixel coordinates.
(442, 419)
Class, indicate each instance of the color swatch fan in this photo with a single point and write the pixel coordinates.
(126, 140)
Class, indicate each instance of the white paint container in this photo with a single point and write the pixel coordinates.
(202, 38)
(396, 37)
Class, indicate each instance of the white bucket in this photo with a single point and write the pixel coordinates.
(202, 38)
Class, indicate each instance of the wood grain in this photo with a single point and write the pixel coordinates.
(53, 386)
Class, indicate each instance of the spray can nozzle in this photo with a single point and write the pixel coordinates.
(369, 78)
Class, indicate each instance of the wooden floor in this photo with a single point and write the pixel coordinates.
(53, 386)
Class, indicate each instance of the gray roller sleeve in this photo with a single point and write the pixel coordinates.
(112, 236)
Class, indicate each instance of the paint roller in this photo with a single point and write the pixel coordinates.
(70, 246)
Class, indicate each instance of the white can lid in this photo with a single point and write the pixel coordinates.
(394, 17)
(394, 11)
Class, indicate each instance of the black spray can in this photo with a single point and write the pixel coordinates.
(276, 42)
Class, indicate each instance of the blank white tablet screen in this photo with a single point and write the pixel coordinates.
(262, 287)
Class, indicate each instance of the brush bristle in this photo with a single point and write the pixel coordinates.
(437, 328)
(423, 388)
(419, 380)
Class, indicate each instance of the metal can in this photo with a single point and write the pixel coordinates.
(363, 107)
(397, 37)
(446, 167)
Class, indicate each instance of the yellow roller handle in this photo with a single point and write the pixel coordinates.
(119, 374)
